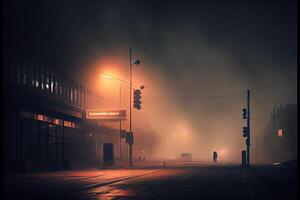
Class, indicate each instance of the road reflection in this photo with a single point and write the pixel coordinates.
(112, 192)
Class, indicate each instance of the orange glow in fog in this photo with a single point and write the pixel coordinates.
(106, 76)
(108, 66)
(222, 151)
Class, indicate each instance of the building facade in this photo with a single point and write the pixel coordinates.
(280, 135)
(44, 118)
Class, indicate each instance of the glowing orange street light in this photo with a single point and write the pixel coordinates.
(106, 76)
(131, 67)
(130, 86)
(121, 81)
(115, 78)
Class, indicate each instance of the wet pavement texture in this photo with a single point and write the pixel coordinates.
(206, 182)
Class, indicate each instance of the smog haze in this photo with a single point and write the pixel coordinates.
(198, 58)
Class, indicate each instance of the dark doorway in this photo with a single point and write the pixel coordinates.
(108, 159)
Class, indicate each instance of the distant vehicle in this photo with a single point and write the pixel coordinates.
(185, 157)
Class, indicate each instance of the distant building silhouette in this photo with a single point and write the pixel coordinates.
(279, 142)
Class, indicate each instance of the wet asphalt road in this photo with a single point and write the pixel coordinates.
(205, 182)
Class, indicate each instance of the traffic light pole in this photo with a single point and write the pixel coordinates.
(120, 145)
(130, 96)
(248, 127)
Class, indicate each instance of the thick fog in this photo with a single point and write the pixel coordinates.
(197, 60)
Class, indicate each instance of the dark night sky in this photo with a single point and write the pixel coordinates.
(196, 46)
(240, 28)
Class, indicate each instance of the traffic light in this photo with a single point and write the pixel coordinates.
(137, 99)
(245, 131)
(244, 113)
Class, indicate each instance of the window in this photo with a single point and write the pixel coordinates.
(30, 76)
(24, 74)
(18, 73)
(69, 124)
(47, 79)
(42, 78)
(36, 77)
(52, 82)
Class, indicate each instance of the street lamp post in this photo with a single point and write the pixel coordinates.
(121, 82)
(120, 127)
(130, 96)
(137, 62)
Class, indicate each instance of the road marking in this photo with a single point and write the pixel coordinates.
(246, 183)
(115, 181)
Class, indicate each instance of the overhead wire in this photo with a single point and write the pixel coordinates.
(208, 94)
(292, 94)
(274, 85)
(213, 96)
(235, 92)
(278, 100)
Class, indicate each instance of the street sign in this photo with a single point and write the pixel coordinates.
(129, 138)
(123, 134)
(115, 115)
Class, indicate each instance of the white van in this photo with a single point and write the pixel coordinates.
(185, 157)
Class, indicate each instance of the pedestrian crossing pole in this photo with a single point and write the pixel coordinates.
(256, 148)
(248, 127)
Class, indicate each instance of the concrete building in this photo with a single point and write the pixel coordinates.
(45, 125)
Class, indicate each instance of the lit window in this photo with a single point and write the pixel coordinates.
(57, 121)
(51, 86)
(40, 117)
(280, 133)
(69, 124)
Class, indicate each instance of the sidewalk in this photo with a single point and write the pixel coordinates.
(78, 178)
(66, 182)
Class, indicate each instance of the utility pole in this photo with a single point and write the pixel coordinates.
(137, 62)
(63, 142)
(120, 126)
(256, 148)
(130, 96)
(248, 127)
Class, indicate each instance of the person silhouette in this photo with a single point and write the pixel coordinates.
(215, 156)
